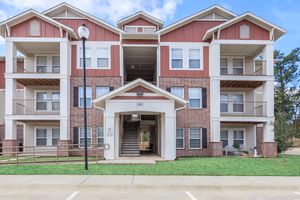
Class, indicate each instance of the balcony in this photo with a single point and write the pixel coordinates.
(240, 67)
(243, 108)
(36, 107)
(37, 65)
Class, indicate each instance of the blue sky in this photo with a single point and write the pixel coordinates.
(284, 13)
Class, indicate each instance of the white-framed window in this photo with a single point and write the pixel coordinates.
(238, 103)
(238, 137)
(101, 90)
(178, 91)
(224, 66)
(224, 137)
(89, 96)
(224, 102)
(176, 58)
(88, 57)
(41, 64)
(244, 32)
(55, 101)
(41, 137)
(41, 101)
(55, 136)
(237, 66)
(194, 58)
(179, 138)
(55, 64)
(35, 28)
(103, 58)
(195, 138)
(100, 136)
(195, 100)
(81, 136)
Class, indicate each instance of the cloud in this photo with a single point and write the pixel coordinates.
(110, 10)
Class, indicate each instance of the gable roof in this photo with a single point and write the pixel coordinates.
(29, 14)
(100, 102)
(278, 31)
(202, 13)
(65, 6)
(143, 15)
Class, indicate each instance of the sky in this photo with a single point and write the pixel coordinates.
(284, 13)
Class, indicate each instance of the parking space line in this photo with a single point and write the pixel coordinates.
(190, 195)
(298, 193)
(72, 195)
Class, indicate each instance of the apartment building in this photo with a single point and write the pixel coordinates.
(188, 89)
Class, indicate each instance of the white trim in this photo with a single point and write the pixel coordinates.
(189, 136)
(139, 45)
(200, 99)
(257, 42)
(136, 15)
(35, 39)
(231, 102)
(49, 101)
(185, 44)
(48, 132)
(183, 138)
(89, 127)
(230, 138)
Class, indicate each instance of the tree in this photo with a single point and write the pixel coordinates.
(286, 97)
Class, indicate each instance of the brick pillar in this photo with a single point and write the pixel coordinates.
(269, 149)
(9, 147)
(64, 148)
(216, 149)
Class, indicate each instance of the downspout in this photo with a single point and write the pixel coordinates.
(177, 109)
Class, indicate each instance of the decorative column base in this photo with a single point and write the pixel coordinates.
(63, 148)
(9, 147)
(269, 149)
(216, 149)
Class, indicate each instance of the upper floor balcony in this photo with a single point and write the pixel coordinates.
(239, 108)
(240, 67)
(36, 106)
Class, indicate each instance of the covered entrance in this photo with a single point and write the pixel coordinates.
(140, 118)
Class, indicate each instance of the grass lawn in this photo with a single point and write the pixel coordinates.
(232, 166)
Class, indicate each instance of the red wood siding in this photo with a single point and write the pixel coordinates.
(2, 71)
(138, 89)
(140, 22)
(139, 42)
(192, 32)
(233, 32)
(23, 29)
(141, 97)
(97, 33)
(166, 72)
(115, 64)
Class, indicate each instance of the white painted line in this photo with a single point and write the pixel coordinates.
(190, 195)
(72, 195)
(298, 193)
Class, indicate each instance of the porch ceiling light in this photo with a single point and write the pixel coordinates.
(83, 32)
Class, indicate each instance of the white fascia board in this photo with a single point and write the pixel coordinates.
(246, 78)
(244, 119)
(140, 13)
(35, 39)
(257, 42)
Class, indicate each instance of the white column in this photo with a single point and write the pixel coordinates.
(268, 97)
(268, 131)
(64, 58)
(64, 109)
(162, 135)
(109, 133)
(170, 137)
(10, 55)
(10, 129)
(214, 72)
(268, 56)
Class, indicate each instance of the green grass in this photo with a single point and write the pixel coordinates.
(231, 166)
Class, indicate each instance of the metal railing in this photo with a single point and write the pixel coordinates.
(36, 107)
(29, 65)
(243, 108)
(249, 68)
(50, 154)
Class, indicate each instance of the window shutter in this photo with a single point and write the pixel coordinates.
(204, 97)
(111, 89)
(75, 97)
(204, 138)
(75, 135)
(168, 89)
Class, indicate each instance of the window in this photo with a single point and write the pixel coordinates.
(224, 137)
(238, 103)
(103, 58)
(55, 136)
(55, 64)
(41, 137)
(194, 58)
(35, 28)
(41, 64)
(149, 29)
(224, 103)
(195, 138)
(244, 32)
(81, 136)
(178, 91)
(179, 138)
(88, 97)
(238, 137)
(224, 66)
(55, 101)
(88, 58)
(100, 136)
(101, 90)
(195, 97)
(41, 101)
(238, 66)
(177, 58)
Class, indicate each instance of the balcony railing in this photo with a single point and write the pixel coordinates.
(248, 68)
(243, 108)
(30, 65)
(36, 107)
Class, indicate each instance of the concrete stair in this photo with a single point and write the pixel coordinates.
(130, 145)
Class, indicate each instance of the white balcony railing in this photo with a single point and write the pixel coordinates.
(243, 108)
(36, 107)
